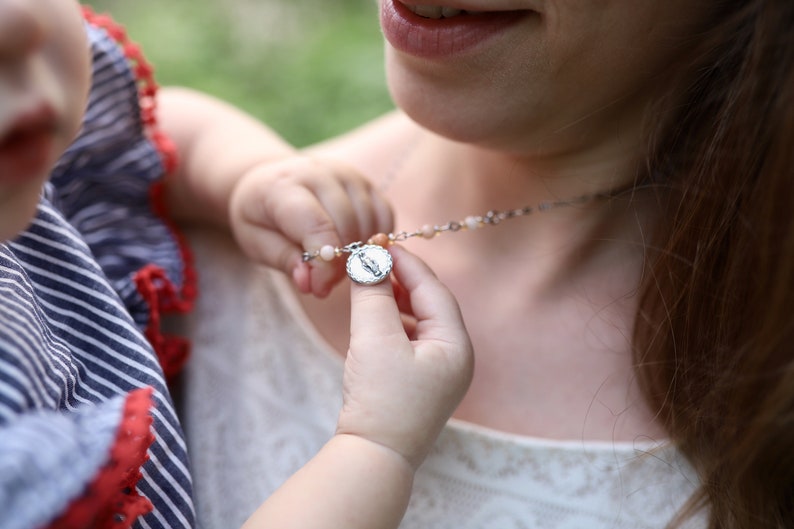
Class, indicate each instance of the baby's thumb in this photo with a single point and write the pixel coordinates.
(374, 315)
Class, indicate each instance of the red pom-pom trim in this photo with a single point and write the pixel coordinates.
(112, 500)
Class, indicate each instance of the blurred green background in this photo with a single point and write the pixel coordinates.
(309, 68)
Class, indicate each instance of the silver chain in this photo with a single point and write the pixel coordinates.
(491, 218)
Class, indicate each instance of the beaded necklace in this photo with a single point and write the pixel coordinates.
(369, 262)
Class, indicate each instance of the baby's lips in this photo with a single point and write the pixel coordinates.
(38, 119)
(26, 144)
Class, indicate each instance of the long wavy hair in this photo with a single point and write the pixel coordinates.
(715, 331)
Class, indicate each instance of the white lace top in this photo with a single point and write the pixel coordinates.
(262, 395)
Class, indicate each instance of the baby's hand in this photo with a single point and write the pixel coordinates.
(279, 209)
(401, 384)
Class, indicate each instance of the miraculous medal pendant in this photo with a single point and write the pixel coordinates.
(369, 264)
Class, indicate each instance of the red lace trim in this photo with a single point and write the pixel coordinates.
(112, 500)
(154, 286)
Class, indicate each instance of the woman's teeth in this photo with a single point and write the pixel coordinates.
(427, 11)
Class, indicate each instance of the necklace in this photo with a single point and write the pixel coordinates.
(369, 262)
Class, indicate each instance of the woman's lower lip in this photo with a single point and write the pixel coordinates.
(439, 38)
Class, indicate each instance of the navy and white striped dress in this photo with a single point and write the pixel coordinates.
(88, 432)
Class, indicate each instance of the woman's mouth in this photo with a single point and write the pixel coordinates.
(439, 32)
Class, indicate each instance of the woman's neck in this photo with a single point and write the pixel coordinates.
(498, 178)
(440, 181)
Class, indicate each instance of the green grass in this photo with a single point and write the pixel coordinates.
(308, 68)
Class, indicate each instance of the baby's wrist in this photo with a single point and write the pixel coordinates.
(381, 454)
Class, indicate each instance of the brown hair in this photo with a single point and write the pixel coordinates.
(715, 332)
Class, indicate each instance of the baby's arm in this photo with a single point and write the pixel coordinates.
(236, 172)
(400, 387)
(216, 144)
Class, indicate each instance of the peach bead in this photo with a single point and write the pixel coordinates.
(379, 239)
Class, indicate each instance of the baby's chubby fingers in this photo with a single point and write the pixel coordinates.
(399, 392)
(282, 208)
(435, 309)
(271, 214)
(375, 313)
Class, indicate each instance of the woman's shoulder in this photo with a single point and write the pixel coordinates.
(372, 147)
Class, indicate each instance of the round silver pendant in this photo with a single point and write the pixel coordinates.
(369, 264)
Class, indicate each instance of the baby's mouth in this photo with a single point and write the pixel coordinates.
(26, 146)
(38, 123)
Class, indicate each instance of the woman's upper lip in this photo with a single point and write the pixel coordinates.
(487, 6)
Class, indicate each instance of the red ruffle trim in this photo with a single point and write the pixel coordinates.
(112, 500)
(157, 290)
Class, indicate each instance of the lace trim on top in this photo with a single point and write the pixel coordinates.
(112, 500)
